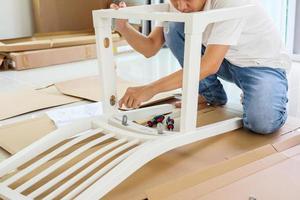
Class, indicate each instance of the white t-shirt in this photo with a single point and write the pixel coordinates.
(254, 41)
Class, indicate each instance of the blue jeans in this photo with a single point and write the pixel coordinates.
(264, 88)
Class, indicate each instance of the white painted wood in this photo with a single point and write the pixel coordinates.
(61, 162)
(106, 65)
(144, 113)
(7, 193)
(93, 167)
(43, 144)
(132, 126)
(163, 7)
(224, 14)
(150, 150)
(136, 128)
(207, 17)
(123, 133)
(50, 156)
(190, 84)
(73, 169)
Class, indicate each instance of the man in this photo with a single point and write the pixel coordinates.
(247, 52)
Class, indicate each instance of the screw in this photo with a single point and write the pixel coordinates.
(160, 129)
(124, 120)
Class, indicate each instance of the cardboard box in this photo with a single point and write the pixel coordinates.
(53, 56)
(47, 57)
(65, 15)
(47, 41)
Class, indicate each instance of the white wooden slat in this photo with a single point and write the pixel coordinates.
(159, 16)
(68, 172)
(43, 144)
(61, 162)
(90, 169)
(163, 7)
(150, 150)
(7, 193)
(206, 17)
(223, 14)
(121, 133)
(100, 173)
(50, 156)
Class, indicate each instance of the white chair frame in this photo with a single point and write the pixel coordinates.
(137, 144)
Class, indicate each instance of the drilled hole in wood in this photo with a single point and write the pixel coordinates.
(113, 100)
(106, 42)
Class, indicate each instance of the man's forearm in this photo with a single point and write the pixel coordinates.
(137, 41)
(210, 64)
(174, 80)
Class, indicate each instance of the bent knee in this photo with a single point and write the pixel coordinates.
(265, 125)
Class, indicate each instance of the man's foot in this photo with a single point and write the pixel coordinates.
(201, 100)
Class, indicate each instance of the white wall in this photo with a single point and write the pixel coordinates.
(277, 10)
(15, 18)
(297, 31)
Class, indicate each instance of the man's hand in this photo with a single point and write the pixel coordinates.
(135, 96)
(120, 24)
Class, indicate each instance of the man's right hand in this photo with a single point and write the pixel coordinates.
(120, 24)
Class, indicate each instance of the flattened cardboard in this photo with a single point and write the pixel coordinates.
(292, 141)
(195, 157)
(198, 184)
(89, 88)
(170, 189)
(294, 151)
(56, 15)
(235, 174)
(16, 136)
(24, 101)
(86, 88)
(280, 181)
